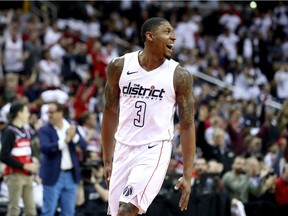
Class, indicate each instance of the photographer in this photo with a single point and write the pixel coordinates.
(92, 197)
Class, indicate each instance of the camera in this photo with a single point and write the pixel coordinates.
(86, 168)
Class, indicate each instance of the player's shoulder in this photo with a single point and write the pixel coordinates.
(181, 72)
(117, 62)
(115, 67)
(182, 79)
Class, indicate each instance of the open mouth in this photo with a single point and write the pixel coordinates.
(169, 46)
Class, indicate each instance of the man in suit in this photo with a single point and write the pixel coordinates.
(60, 171)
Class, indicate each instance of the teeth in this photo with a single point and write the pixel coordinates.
(170, 46)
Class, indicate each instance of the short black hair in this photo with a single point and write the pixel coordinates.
(83, 118)
(14, 109)
(150, 24)
(59, 107)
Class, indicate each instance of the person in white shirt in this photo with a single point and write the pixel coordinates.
(52, 34)
(230, 21)
(187, 40)
(281, 80)
(228, 44)
(13, 51)
(49, 71)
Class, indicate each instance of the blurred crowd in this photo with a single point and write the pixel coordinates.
(240, 136)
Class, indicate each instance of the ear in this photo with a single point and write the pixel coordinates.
(149, 36)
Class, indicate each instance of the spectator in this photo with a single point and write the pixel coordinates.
(247, 84)
(230, 21)
(235, 131)
(92, 191)
(14, 52)
(227, 42)
(262, 22)
(282, 117)
(281, 81)
(216, 122)
(276, 52)
(250, 117)
(240, 182)
(214, 69)
(280, 15)
(257, 204)
(16, 153)
(274, 157)
(254, 145)
(89, 156)
(49, 71)
(188, 40)
(268, 131)
(99, 60)
(281, 191)
(11, 87)
(35, 48)
(285, 50)
(217, 150)
(3, 124)
(206, 176)
(214, 167)
(85, 91)
(60, 170)
(200, 167)
(52, 34)
(87, 128)
(58, 50)
(83, 61)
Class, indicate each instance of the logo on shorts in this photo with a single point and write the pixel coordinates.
(127, 190)
(149, 147)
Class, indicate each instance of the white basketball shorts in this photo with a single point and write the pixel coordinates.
(138, 173)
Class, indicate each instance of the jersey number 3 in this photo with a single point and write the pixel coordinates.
(141, 112)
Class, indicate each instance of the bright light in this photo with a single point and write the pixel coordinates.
(253, 4)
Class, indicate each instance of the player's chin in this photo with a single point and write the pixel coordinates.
(168, 56)
(168, 53)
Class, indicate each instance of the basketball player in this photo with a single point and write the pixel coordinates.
(141, 95)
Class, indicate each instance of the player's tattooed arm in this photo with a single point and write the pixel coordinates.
(110, 114)
(183, 84)
(112, 90)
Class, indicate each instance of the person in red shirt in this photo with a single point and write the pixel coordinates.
(281, 191)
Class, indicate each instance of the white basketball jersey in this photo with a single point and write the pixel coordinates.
(147, 102)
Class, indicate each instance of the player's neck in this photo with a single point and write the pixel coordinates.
(149, 61)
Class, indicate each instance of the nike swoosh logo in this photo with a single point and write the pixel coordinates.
(129, 73)
(149, 147)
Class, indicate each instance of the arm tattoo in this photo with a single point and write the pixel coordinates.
(112, 90)
(184, 96)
